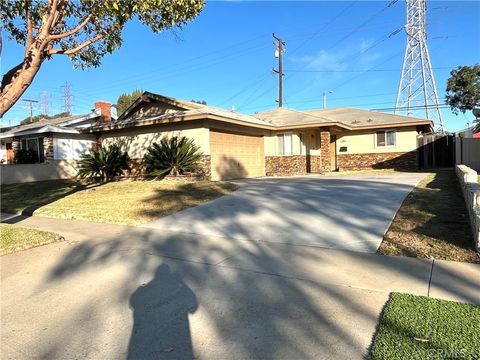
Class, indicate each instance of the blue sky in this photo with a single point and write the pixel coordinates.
(226, 57)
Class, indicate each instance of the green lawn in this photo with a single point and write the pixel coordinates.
(15, 238)
(417, 327)
(123, 202)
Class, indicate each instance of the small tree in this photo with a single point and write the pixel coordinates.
(463, 88)
(125, 100)
(175, 155)
(84, 30)
(104, 163)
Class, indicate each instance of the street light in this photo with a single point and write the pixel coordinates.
(325, 98)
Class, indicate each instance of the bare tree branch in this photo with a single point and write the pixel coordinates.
(72, 31)
(29, 26)
(82, 45)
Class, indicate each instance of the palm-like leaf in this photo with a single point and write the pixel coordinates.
(175, 155)
(105, 163)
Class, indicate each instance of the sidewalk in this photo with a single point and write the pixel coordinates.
(447, 280)
(114, 291)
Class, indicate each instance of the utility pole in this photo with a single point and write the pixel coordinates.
(325, 98)
(278, 54)
(30, 102)
(67, 97)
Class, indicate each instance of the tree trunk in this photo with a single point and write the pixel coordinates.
(16, 81)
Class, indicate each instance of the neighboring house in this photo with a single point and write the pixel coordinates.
(53, 139)
(476, 131)
(276, 142)
(465, 133)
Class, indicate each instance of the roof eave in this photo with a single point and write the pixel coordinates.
(391, 125)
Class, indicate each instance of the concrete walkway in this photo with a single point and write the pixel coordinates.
(342, 212)
(114, 292)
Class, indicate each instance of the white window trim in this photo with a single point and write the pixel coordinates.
(385, 146)
(291, 144)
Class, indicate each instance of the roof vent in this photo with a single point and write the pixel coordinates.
(233, 109)
(355, 122)
(369, 120)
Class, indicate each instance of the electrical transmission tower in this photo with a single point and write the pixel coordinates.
(67, 97)
(44, 101)
(417, 93)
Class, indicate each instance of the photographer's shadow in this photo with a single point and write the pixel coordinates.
(160, 313)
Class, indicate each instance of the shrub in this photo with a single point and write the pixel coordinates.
(174, 155)
(104, 163)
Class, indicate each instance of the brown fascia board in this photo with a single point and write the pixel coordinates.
(176, 119)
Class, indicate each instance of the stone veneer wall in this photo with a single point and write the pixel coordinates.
(48, 146)
(15, 144)
(285, 165)
(205, 167)
(137, 168)
(314, 164)
(394, 160)
(325, 150)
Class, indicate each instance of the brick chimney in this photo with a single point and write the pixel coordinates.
(105, 111)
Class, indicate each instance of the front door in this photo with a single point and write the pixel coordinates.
(10, 154)
(333, 152)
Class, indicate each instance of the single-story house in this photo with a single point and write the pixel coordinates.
(53, 139)
(276, 142)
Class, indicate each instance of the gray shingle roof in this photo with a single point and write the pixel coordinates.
(353, 118)
(39, 124)
(201, 110)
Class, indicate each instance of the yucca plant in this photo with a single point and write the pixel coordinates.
(104, 163)
(173, 155)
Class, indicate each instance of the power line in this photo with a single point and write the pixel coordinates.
(363, 24)
(360, 70)
(325, 27)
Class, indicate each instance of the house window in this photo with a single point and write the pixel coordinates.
(301, 136)
(34, 144)
(284, 144)
(386, 138)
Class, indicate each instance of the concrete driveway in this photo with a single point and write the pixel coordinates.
(342, 212)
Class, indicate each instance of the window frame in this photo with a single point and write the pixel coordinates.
(277, 144)
(394, 131)
(40, 154)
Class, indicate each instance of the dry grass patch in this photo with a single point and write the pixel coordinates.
(123, 202)
(15, 238)
(432, 223)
